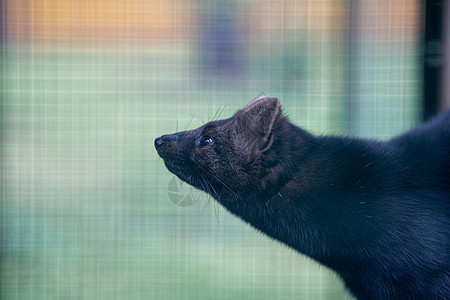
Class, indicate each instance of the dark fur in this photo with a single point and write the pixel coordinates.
(377, 213)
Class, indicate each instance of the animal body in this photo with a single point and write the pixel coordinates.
(375, 212)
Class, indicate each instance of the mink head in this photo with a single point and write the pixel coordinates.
(245, 154)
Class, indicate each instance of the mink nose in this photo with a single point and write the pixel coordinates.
(158, 142)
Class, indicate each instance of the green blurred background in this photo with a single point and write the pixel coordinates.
(88, 210)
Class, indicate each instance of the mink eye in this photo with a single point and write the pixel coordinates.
(206, 141)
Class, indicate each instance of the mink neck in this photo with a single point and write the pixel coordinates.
(311, 208)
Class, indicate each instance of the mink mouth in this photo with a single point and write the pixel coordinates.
(184, 170)
(179, 169)
(188, 173)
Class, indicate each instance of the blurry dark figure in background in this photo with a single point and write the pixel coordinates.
(221, 42)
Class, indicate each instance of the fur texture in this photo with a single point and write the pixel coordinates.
(377, 213)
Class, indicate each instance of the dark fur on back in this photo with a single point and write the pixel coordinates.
(377, 213)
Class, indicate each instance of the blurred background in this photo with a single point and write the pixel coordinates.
(88, 210)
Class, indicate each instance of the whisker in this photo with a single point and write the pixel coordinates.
(190, 121)
(226, 186)
(204, 206)
(218, 113)
(215, 114)
(216, 212)
(212, 189)
(205, 188)
(209, 107)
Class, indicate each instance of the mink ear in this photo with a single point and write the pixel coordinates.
(253, 124)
